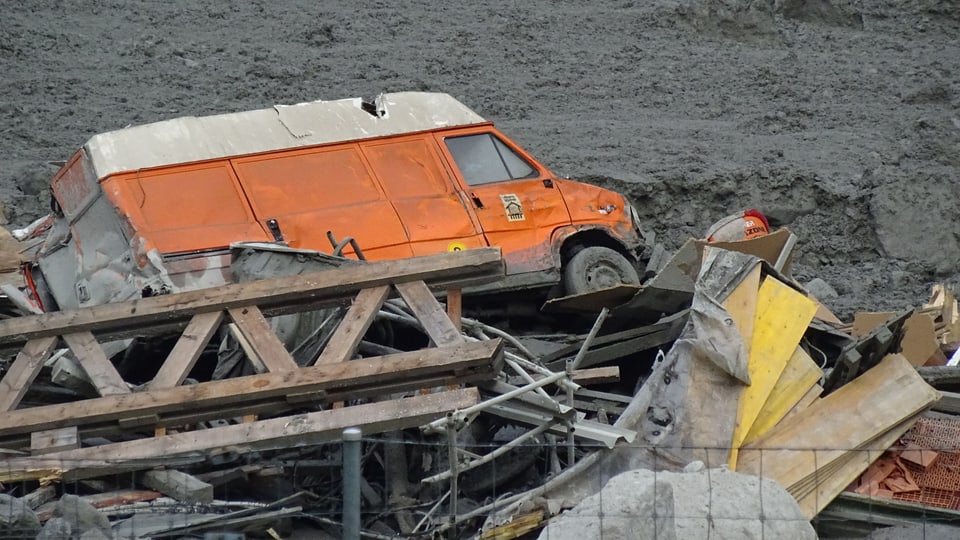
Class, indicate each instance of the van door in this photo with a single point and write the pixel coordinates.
(514, 197)
(311, 191)
(433, 212)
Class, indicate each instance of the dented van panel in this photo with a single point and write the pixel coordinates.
(154, 209)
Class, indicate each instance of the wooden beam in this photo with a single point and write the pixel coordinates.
(405, 369)
(24, 370)
(940, 376)
(302, 292)
(949, 403)
(94, 361)
(343, 344)
(300, 430)
(187, 350)
(430, 313)
(455, 307)
(54, 440)
(266, 345)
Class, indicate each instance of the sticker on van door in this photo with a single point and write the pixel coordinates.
(513, 207)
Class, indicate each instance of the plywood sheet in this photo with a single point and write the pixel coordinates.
(782, 317)
(799, 376)
(855, 414)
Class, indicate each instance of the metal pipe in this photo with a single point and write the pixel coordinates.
(437, 425)
(582, 353)
(526, 376)
(351, 483)
(500, 333)
(491, 456)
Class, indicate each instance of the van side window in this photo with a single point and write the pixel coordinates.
(484, 159)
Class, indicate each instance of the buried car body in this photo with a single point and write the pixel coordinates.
(154, 208)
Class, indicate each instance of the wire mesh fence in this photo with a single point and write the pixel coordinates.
(530, 490)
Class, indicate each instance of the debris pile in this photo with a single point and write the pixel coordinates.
(142, 410)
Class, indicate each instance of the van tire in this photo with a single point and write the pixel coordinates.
(595, 268)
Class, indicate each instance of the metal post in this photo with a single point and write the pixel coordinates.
(454, 473)
(351, 483)
(571, 445)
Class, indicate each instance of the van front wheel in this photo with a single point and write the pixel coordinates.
(595, 268)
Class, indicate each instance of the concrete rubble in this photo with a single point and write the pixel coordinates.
(720, 399)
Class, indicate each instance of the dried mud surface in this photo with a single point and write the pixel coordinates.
(840, 118)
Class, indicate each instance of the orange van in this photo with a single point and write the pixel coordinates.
(154, 208)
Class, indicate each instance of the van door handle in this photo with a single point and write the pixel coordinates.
(476, 201)
(548, 183)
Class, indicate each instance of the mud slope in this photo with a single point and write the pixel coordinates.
(841, 118)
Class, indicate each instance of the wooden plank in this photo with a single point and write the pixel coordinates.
(949, 403)
(54, 440)
(301, 430)
(39, 496)
(187, 350)
(455, 308)
(600, 375)
(94, 361)
(178, 485)
(266, 345)
(24, 370)
(807, 400)
(519, 525)
(404, 369)
(430, 313)
(848, 467)
(307, 291)
(855, 414)
(798, 377)
(343, 344)
(782, 317)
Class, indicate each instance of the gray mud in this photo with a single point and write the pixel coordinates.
(840, 118)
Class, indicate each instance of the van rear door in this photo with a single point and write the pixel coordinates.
(433, 212)
(514, 197)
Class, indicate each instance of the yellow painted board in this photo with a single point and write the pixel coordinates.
(782, 317)
(741, 304)
(808, 399)
(798, 377)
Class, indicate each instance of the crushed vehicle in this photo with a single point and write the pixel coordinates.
(155, 208)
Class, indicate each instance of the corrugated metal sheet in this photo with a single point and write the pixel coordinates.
(189, 139)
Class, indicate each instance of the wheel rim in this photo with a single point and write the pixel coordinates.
(603, 275)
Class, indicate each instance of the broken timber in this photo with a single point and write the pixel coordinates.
(279, 387)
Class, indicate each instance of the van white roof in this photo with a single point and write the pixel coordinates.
(190, 138)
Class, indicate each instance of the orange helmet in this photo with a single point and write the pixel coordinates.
(741, 226)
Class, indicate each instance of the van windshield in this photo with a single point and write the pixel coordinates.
(484, 159)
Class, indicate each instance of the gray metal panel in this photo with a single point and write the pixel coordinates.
(189, 139)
